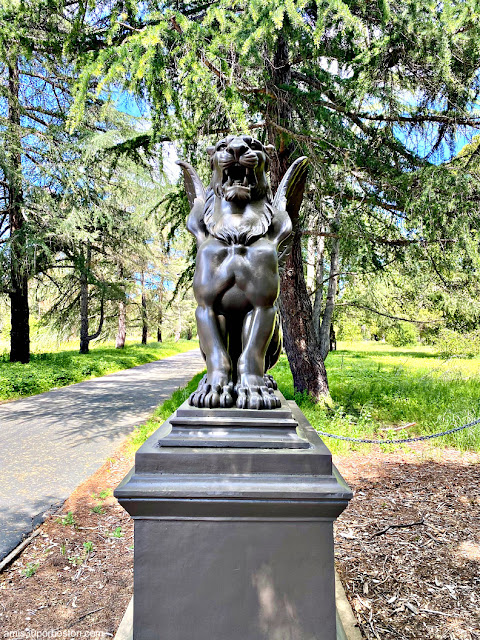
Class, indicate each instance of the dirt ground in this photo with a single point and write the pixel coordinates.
(407, 549)
(74, 587)
(408, 546)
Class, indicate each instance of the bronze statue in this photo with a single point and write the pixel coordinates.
(242, 235)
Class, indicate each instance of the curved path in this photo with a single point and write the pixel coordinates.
(51, 442)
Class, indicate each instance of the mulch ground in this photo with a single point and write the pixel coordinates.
(407, 548)
(75, 588)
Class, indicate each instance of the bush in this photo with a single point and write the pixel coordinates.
(402, 334)
(450, 343)
(349, 329)
(429, 334)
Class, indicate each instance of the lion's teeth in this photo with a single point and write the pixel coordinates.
(245, 181)
(229, 181)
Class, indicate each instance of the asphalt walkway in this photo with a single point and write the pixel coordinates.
(52, 442)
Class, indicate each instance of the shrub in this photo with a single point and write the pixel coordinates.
(450, 343)
(402, 334)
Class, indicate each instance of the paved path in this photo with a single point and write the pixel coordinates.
(51, 442)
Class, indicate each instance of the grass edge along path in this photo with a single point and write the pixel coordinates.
(141, 433)
(52, 370)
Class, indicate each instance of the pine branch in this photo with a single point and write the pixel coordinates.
(102, 317)
(387, 315)
(453, 119)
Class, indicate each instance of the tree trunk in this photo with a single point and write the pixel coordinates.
(144, 310)
(302, 349)
(159, 322)
(19, 310)
(318, 298)
(311, 246)
(84, 337)
(303, 352)
(122, 314)
(330, 301)
(122, 325)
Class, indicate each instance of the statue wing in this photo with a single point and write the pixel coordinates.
(289, 194)
(193, 185)
(196, 199)
(288, 199)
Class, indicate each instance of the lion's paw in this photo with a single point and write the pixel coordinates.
(256, 398)
(270, 382)
(212, 396)
(226, 397)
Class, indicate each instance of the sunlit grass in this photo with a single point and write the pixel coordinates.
(377, 388)
(63, 367)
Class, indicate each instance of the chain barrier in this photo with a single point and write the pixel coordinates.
(401, 440)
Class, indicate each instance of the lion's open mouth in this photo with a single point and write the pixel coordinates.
(237, 181)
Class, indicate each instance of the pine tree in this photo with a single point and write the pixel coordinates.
(33, 110)
(67, 198)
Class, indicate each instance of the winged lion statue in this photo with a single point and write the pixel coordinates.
(242, 234)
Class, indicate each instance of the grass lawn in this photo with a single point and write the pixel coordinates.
(377, 388)
(58, 369)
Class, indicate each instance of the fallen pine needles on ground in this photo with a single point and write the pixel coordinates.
(408, 546)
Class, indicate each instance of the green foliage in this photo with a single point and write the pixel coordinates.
(103, 495)
(451, 343)
(375, 93)
(88, 546)
(402, 334)
(49, 370)
(98, 509)
(75, 561)
(117, 533)
(349, 329)
(87, 197)
(67, 520)
(376, 387)
(31, 569)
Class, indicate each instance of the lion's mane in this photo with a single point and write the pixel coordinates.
(253, 226)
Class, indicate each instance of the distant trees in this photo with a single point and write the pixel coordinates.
(32, 109)
(77, 208)
(103, 232)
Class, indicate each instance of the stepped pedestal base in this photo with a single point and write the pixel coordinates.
(233, 518)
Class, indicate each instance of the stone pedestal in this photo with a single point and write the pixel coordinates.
(234, 513)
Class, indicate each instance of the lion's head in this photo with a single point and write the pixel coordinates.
(239, 165)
